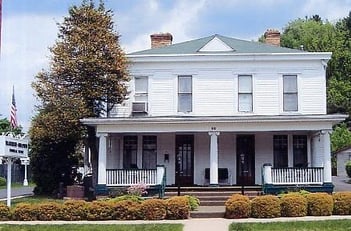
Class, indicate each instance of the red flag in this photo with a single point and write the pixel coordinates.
(13, 117)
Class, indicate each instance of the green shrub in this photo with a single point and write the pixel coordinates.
(25, 212)
(2, 181)
(319, 204)
(293, 205)
(74, 210)
(267, 206)
(49, 211)
(127, 197)
(348, 168)
(126, 210)
(194, 202)
(178, 208)
(153, 209)
(4, 212)
(99, 210)
(237, 206)
(342, 203)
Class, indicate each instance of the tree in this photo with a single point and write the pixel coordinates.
(86, 77)
(340, 138)
(5, 127)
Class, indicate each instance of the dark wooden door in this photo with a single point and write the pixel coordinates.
(245, 159)
(184, 160)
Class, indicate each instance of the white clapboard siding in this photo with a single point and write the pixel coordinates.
(312, 93)
(266, 94)
(162, 93)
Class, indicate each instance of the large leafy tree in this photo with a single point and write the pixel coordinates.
(5, 127)
(86, 78)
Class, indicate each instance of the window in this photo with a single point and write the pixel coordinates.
(141, 89)
(149, 152)
(245, 93)
(185, 93)
(300, 151)
(130, 148)
(290, 93)
(280, 151)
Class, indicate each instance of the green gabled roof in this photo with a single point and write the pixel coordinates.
(194, 47)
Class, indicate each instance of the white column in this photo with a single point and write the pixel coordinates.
(267, 174)
(9, 165)
(327, 156)
(214, 157)
(102, 159)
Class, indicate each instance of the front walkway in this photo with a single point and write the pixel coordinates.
(17, 192)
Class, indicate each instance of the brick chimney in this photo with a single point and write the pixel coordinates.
(272, 37)
(161, 40)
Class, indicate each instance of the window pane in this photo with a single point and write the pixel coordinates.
(185, 84)
(245, 102)
(245, 84)
(141, 84)
(280, 151)
(290, 83)
(290, 102)
(184, 103)
(141, 98)
(300, 151)
(130, 152)
(149, 152)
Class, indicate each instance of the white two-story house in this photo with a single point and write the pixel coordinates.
(219, 110)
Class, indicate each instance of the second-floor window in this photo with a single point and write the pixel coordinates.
(185, 93)
(141, 89)
(290, 97)
(245, 93)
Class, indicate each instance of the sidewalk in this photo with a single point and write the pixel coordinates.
(218, 224)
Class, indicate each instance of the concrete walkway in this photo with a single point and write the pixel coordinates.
(217, 224)
(17, 192)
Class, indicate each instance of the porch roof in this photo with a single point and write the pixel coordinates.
(245, 123)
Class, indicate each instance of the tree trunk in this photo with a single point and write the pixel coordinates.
(94, 153)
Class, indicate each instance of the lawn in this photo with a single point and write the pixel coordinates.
(141, 227)
(329, 225)
(33, 200)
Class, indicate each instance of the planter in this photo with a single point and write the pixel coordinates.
(75, 191)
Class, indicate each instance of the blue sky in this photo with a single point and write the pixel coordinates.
(29, 29)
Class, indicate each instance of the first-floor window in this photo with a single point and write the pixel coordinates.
(130, 149)
(300, 151)
(280, 151)
(149, 152)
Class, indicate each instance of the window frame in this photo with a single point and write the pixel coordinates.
(185, 93)
(245, 93)
(130, 151)
(149, 148)
(141, 96)
(290, 93)
(280, 154)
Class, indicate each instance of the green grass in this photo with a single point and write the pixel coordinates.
(141, 227)
(330, 225)
(33, 200)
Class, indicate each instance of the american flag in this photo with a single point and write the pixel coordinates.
(13, 117)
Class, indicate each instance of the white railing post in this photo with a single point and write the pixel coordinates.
(267, 174)
(160, 173)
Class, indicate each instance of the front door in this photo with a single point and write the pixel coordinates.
(184, 160)
(245, 159)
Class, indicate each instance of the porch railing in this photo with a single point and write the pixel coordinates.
(293, 176)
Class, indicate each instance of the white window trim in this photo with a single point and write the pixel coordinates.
(281, 94)
(177, 94)
(236, 104)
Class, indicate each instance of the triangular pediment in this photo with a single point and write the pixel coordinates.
(216, 45)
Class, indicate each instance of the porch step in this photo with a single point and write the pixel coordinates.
(208, 212)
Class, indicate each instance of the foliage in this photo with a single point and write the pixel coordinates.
(99, 210)
(74, 210)
(177, 208)
(4, 212)
(138, 190)
(2, 181)
(194, 202)
(348, 168)
(5, 127)
(293, 205)
(126, 210)
(267, 206)
(237, 206)
(341, 137)
(49, 211)
(153, 209)
(25, 212)
(320, 204)
(127, 197)
(86, 78)
(342, 203)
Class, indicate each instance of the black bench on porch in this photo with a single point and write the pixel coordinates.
(223, 175)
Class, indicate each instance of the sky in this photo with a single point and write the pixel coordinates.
(29, 29)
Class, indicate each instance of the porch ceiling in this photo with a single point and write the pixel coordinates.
(250, 123)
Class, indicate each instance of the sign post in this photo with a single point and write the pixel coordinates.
(25, 162)
(12, 147)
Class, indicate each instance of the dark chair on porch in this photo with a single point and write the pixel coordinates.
(223, 176)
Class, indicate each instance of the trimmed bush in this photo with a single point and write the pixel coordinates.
(319, 204)
(178, 208)
(4, 212)
(194, 202)
(49, 211)
(126, 210)
(293, 205)
(267, 206)
(342, 203)
(237, 206)
(348, 168)
(2, 181)
(127, 197)
(153, 209)
(25, 212)
(74, 210)
(99, 210)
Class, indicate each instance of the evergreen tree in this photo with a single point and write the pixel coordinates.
(86, 78)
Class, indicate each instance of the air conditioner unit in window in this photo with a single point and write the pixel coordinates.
(139, 107)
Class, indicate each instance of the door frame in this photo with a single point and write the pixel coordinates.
(249, 148)
(181, 180)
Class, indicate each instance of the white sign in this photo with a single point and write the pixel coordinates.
(13, 147)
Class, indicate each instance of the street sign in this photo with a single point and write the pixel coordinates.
(13, 147)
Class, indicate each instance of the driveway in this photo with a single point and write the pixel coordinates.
(16, 192)
(341, 183)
